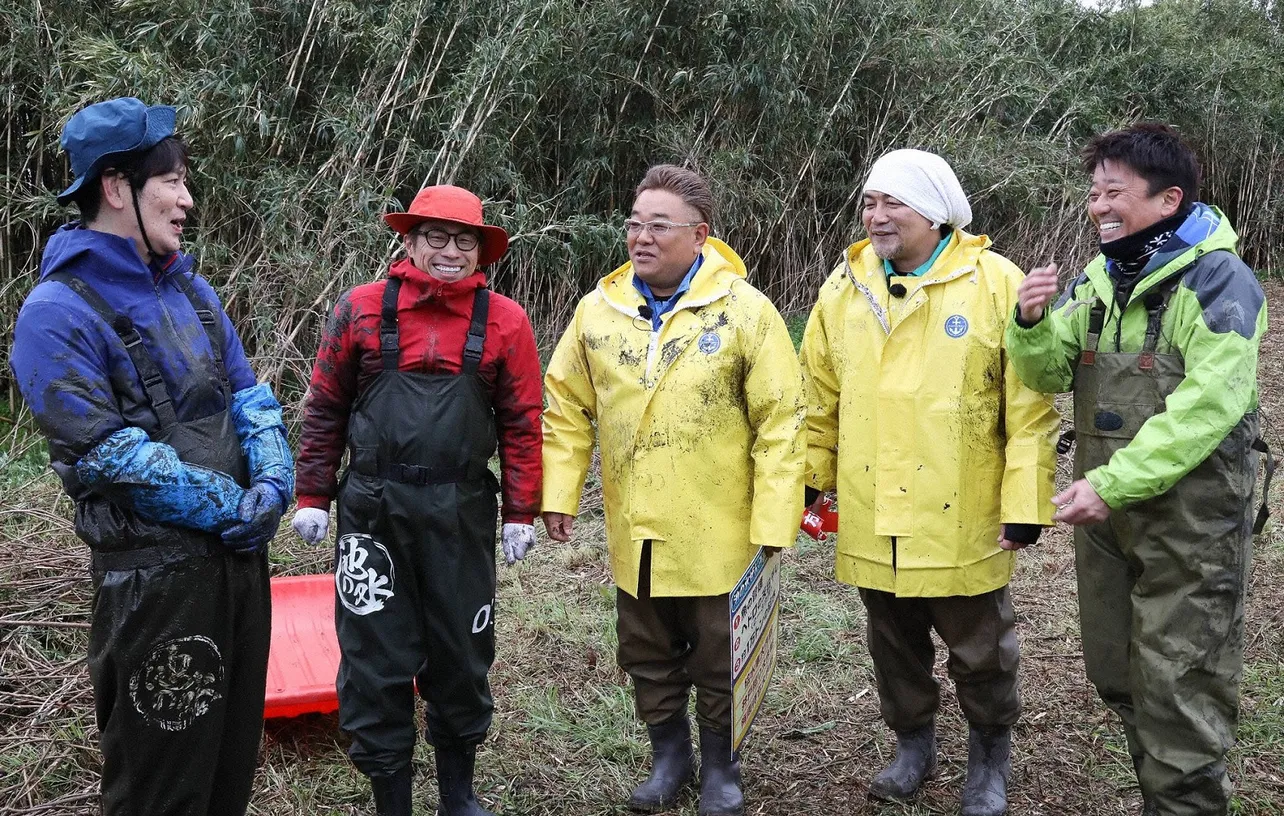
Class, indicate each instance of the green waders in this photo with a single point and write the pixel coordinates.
(178, 643)
(415, 561)
(1162, 582)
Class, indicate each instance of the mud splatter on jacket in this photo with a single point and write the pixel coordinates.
(433, 318)
(1215, 320)
(80, 383)
(700, 425)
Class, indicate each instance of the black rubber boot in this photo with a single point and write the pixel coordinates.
(915, 761)
(392, 793)
(720, 793)
(989, 763)
(455, 781)
(672, 765)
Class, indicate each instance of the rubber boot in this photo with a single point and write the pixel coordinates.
(720, 793)
(989, 763)
(392, 793)
(915, 761)
(672, 765)
(455, 781)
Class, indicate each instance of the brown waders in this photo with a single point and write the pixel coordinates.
(415, 568)
(178, 643)
(667, 645)
(1162, 582)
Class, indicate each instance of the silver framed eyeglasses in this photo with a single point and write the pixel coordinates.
(657, 227)
(437, 239)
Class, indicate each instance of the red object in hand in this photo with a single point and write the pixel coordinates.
(821, 518)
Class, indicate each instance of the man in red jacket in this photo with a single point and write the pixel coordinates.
(418, 377)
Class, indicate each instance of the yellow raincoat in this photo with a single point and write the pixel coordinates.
(918, 417)
(700, 424)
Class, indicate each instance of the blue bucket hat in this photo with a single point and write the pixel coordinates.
(96, 135)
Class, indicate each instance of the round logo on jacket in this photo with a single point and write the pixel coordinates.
(956, 326)
(177, 682)
(363, 574)
(709, 342)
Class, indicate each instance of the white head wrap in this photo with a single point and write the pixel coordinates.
(925, 182)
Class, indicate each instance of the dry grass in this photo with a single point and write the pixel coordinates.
(565, 740)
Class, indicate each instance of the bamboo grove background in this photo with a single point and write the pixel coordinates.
(310, 118)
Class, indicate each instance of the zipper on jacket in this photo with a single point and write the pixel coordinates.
(650, 353)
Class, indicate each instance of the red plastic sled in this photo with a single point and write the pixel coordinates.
(305, 652)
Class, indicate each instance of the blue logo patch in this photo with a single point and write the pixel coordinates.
(956, 326)
(709, 342)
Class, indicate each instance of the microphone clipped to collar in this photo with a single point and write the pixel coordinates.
(897, 290)
(645, 313)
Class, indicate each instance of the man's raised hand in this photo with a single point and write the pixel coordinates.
(1035, 292)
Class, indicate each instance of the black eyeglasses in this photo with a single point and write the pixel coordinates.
(437, 239)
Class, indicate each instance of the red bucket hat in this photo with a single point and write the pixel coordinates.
(444, 202)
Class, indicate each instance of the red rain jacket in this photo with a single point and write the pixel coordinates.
(433, 318)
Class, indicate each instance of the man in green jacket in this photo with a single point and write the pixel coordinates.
(1158, 339)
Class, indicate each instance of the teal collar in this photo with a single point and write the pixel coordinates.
(889, 270)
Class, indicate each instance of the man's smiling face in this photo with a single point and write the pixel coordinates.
(1120, 202)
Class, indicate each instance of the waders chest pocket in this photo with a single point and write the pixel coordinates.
(1114, 420)
(1107, 421)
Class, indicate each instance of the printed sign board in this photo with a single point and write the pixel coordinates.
(755, 610)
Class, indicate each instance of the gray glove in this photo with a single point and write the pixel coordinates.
(311, 524)
(516, 540)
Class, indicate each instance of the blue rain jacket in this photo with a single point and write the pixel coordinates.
(85, 393)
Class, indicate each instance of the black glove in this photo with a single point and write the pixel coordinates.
(1022, 533)
(260, 513)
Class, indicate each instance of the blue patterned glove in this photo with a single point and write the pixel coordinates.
(260, 513)
(150, 479)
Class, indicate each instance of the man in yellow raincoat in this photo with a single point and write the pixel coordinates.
(686, 376)
(943, 462)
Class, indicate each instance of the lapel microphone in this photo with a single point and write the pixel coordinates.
(644, 311)
(897, 290)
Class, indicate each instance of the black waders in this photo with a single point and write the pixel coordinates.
(178, 643)
(415, 562)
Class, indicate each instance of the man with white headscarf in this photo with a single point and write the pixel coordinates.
(943, 463)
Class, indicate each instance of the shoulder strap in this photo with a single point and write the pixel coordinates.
(1156, 303)
(1096, 321)
(476, 332)
(210, 322)
(153, 383)
(389, 341)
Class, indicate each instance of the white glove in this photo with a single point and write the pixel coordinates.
(517, 539)
(311, 524)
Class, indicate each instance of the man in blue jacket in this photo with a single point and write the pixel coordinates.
(177, 462)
